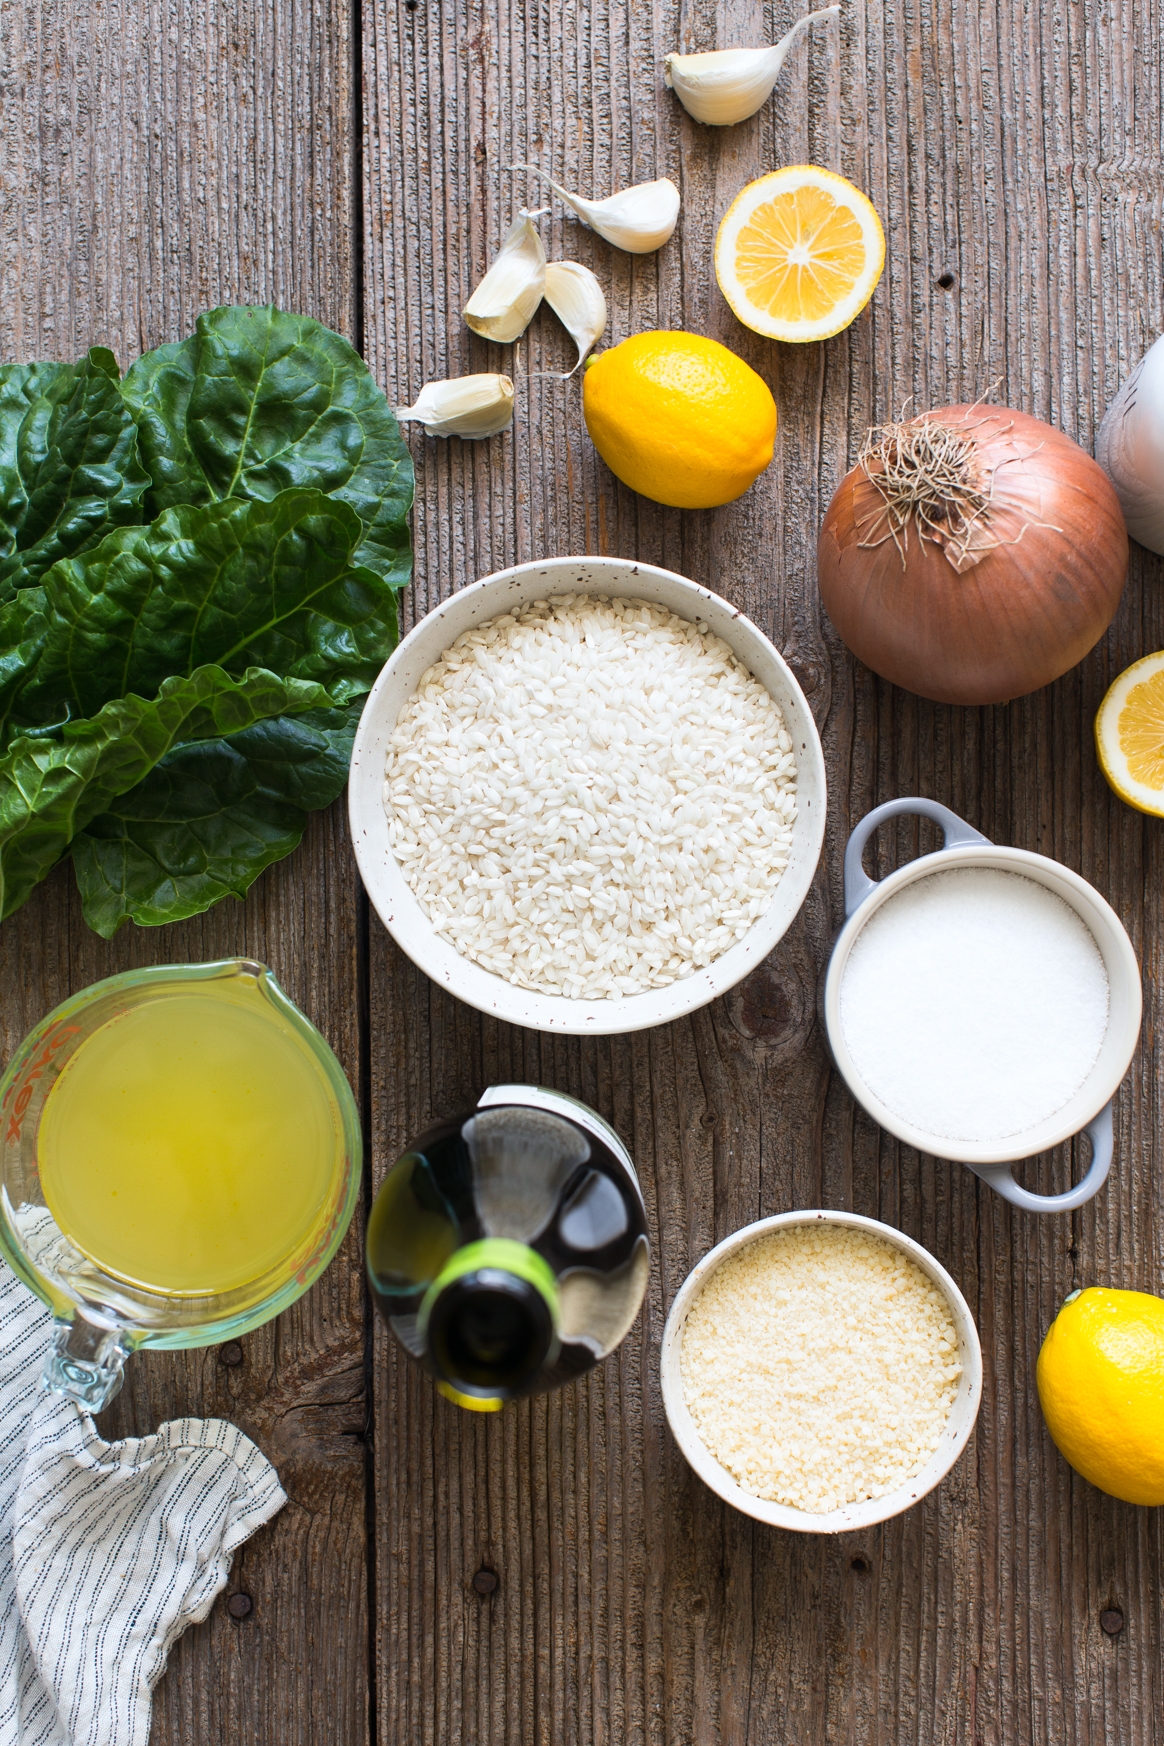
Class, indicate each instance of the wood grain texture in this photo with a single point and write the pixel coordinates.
(162, 158)
(1017, 149)
(159, 159)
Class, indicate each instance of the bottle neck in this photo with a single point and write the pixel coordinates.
(489, 1321)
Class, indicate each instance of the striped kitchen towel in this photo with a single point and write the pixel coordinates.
(107, 1550)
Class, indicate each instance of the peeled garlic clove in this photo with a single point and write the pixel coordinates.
(637, 219)
(575, 296)
(728, 85)
(464, 406)
(503, 305)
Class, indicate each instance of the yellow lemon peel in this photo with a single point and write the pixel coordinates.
(1101, 1386)
(679, 418)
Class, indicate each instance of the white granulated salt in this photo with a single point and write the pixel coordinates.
(974, 1004)
(820, 1365)
(591, 797)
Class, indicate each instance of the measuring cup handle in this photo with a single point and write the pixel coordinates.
(955, 830)
(85, 1361)
(1099, 1131)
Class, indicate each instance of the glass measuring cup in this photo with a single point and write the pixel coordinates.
(102, 1315)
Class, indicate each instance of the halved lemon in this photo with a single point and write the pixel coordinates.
(799, 253)
(1129, 735)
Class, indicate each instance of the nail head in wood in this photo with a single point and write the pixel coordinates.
(240, 1605)
(486, 1581)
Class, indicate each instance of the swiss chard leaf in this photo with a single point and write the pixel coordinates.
(176, 697)
(23, 628)
(52, 786)
(258, 401)
(209, 817)
(69, 466)
(238, 584)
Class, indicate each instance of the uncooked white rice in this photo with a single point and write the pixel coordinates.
(820, 1365)
(591, 797)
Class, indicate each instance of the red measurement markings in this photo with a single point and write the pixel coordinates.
(26, 1084)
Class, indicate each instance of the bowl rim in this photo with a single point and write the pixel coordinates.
(955, 1436)
(399, 910)
(1123, 1029)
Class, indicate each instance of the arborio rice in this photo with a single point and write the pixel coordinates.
(591, 797)
(820, 1365)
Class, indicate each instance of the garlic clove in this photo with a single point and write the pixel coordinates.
(637, 219)
(575, 296)
(464, 406)
(503, 305)
(728, 85)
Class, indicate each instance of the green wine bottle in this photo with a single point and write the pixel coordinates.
(507, 1247)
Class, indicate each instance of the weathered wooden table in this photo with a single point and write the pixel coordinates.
(349, 160)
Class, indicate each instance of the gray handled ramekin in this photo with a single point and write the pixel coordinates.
(1089, 1110)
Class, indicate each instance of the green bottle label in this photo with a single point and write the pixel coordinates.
(507, 1257)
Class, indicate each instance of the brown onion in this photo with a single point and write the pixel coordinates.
(972, 554)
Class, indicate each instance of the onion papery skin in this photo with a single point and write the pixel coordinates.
(1022, 614)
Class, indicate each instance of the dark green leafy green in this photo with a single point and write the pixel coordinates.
(51, 787)
(23, 629)
(69, 467)
(176, 697)
(208, 818)
(258, 401)
(239, 584)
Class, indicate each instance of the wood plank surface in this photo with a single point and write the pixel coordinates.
(1015, 154)
(158, 159)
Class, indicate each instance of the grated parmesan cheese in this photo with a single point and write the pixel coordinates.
(820, 1365)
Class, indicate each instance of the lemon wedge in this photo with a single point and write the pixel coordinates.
(1129, 735)
(799, 253)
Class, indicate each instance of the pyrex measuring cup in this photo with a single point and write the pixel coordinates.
(1089, 1109)
(100, 1315)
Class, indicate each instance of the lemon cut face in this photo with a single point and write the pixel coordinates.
(799, 253)
(1129, 735)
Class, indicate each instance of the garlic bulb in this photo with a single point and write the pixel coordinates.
(728, 85)
(1130, 449)
(575, 296)
(637, 219)
(464, 406)
(503, 305)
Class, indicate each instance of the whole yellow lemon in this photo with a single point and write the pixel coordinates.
(679, 418)
(1101, 1386)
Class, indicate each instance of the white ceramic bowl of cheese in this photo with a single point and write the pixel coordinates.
(864, 1514)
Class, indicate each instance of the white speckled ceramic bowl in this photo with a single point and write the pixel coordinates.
(856, 1515)
(399, 910)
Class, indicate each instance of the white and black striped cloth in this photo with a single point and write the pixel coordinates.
(107, 1550)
